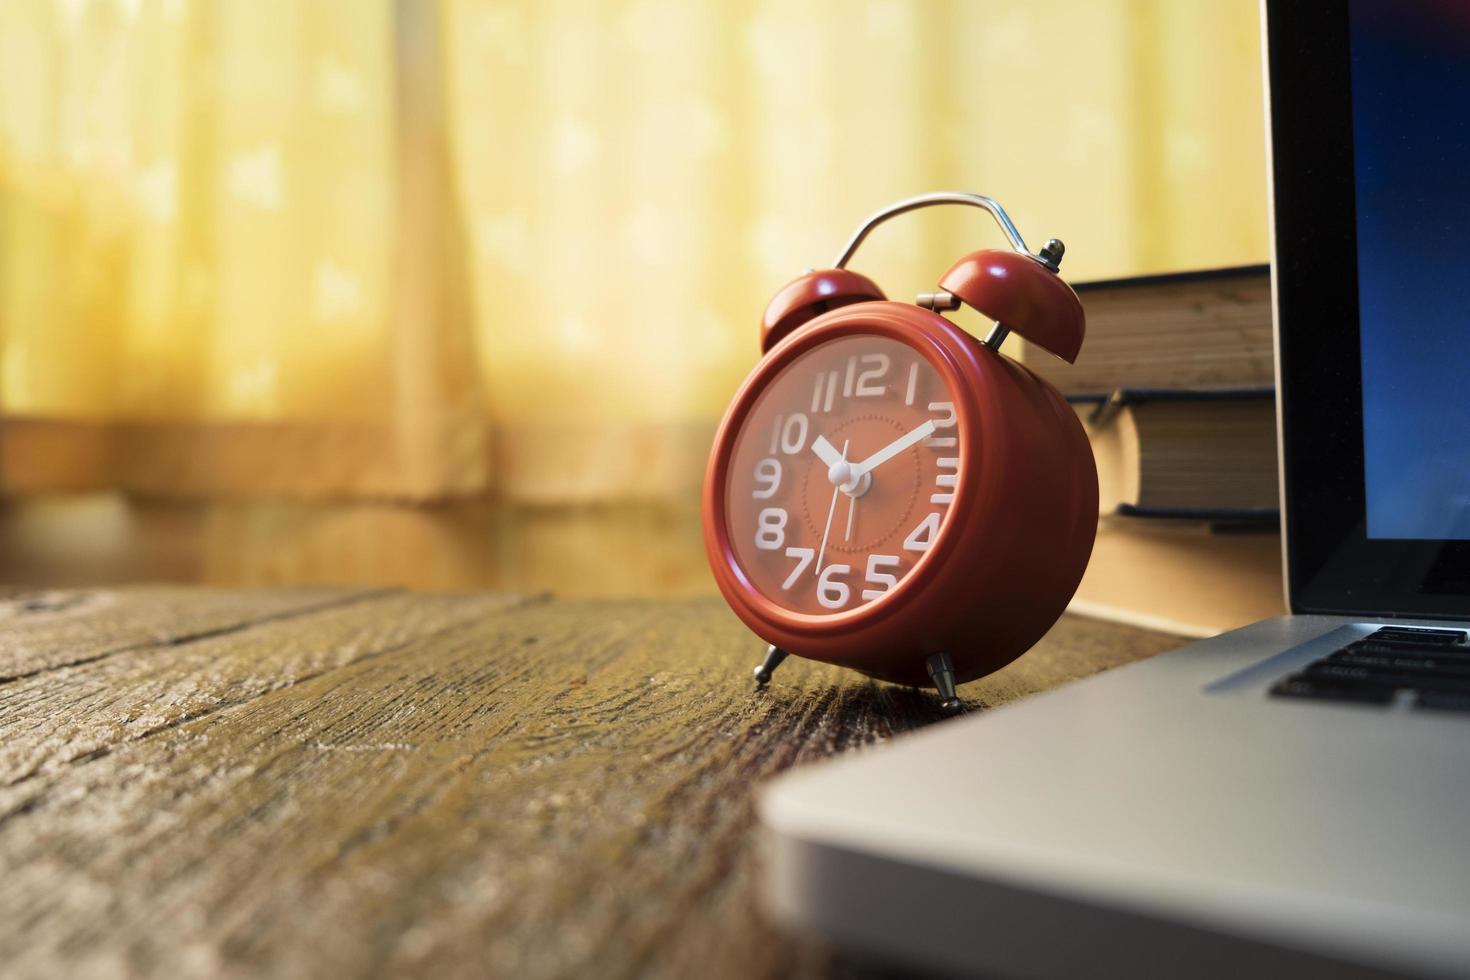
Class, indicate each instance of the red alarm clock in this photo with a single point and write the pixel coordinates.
(890, 494)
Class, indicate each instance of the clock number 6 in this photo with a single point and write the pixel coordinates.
(830, 592)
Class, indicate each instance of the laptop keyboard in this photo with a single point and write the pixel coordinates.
(1430, 667)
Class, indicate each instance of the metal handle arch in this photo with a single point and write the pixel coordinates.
(927, 201)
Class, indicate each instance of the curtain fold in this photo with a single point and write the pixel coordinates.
(233, 253)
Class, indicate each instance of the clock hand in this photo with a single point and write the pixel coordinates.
(826, 452)
(831, 509)
(889, 451)
(851, 506)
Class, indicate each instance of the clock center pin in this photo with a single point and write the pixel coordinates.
(840, 476)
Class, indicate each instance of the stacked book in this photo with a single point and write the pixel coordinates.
(1175, 387)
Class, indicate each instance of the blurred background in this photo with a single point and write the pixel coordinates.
(452, 295)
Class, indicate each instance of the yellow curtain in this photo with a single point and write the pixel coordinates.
(232, 257)
(419, 249)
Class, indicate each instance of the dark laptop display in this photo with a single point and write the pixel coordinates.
(1411, 153)
(1370, 134)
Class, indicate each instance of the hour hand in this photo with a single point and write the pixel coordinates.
(826, 452)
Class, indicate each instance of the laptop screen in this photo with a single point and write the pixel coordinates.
(1410, 70)
(1370, 204)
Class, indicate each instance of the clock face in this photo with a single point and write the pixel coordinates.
(842, 474)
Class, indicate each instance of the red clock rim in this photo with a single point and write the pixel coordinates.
(945, 346)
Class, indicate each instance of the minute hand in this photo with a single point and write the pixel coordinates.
(891, 450)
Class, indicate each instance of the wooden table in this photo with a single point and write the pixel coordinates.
(320, 782)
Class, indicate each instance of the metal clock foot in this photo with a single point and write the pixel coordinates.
(774, 656)
(941, 671)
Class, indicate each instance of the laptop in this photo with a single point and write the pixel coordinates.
(1291, 798)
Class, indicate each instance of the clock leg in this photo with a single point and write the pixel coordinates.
(941, 671)
(774, 656)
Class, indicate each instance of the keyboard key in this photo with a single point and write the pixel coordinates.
(1442, 701)
(1458, 634)
(1447, 666)
(1431, 664)
(1416, 634)
(1393, 680)
(1322, 689)
(1397, 646)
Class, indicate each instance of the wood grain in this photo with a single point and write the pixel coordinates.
(74, 712)
(43, 630)
(432, 785)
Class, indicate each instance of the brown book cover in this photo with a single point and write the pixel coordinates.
(1183, 330)
(1202, 451)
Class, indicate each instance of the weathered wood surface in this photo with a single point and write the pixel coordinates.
(98, 624)
(333, 783)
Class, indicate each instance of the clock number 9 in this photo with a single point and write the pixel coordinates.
(768, 472)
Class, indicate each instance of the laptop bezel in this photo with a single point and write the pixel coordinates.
(1332, 566)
